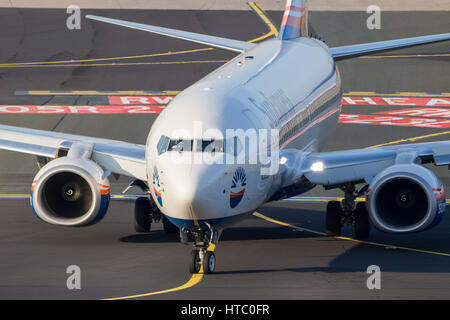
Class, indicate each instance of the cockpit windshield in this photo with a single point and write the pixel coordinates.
(210, 145)
(231, 146)
(180, 145)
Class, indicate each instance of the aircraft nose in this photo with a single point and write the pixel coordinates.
(178, 193)
(184, 192)
(192, 195)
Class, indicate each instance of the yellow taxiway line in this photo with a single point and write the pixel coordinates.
(196, 278)
(81, 62)
(114, 64)
(405, 56)
(261, 216)
(413, 139)
(152, 55)
(100, 93)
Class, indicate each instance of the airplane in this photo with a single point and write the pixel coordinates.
(289, 85)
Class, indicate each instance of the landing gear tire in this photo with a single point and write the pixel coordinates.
(333, 219)
(209, 262)
(194, 266)
(142, 218)
(169, 227)
(361, 221)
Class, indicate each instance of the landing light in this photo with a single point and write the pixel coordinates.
(283, 160)
(317, 166)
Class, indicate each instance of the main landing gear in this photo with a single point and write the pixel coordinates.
(348, 212)
(203, 259)
(146, 212)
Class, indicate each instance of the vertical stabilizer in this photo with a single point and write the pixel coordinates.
(295, 20)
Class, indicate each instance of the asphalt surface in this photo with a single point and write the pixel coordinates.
(256, 259)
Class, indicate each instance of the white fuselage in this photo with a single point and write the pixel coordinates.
(291, 86)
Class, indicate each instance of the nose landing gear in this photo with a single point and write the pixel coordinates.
(203, 259)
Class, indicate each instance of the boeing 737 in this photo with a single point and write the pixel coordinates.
(287, 87)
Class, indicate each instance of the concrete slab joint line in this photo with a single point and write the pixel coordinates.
(316, 5)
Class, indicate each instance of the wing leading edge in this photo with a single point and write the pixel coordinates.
(116, 156)
(331, 168)
(218, 42)
(351, 51)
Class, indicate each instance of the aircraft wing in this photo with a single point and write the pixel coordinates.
(358, 165)
(351, 51)
(116, 156)
(218, 42)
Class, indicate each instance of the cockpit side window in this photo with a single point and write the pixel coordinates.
(162, 144)
(233, 146)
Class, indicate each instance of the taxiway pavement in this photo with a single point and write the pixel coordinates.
(256, 259)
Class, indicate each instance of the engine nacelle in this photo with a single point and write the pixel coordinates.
(405, 198)
(70, 192)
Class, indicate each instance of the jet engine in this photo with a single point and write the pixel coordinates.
(70, 192)
(405, 198)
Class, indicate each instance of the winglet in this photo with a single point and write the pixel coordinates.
(295, 20)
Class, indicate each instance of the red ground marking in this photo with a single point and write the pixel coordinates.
(420, 112)
(33, 109)
(346, 101)
(140, 100)
(394, 121)
(395, 101)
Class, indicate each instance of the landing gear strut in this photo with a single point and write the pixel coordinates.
(203, 258)
(146, 212)
(142, 215)
(348, 212)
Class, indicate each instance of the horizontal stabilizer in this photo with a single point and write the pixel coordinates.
(218, 42)
(346, 52)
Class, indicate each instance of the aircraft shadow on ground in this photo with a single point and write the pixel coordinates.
(357, 256)
(232, 234)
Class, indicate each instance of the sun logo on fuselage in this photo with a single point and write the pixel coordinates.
(157, 186)
(237, 187)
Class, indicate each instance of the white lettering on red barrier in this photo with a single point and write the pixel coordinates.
(120, 100)
(33, 109)
(394, 121)
(346, 101)
(420, 112)
(396, 101)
